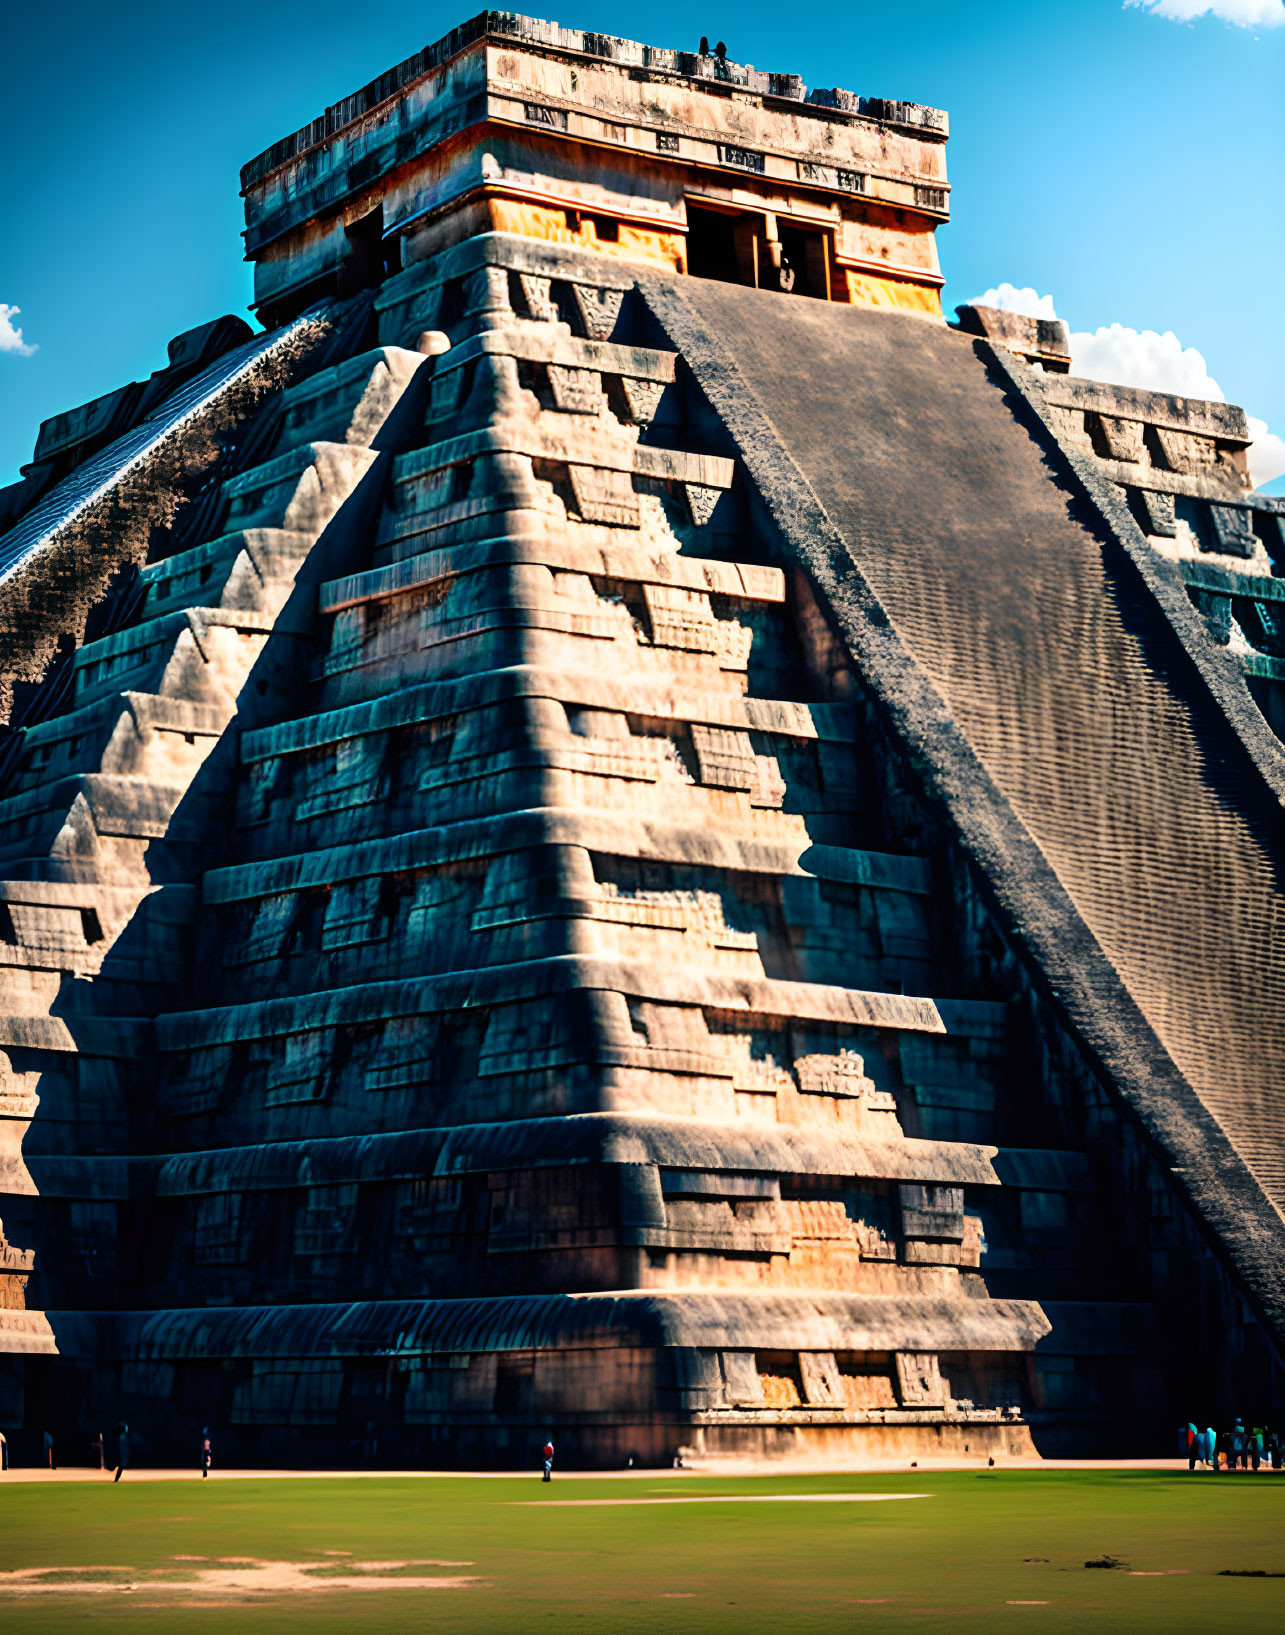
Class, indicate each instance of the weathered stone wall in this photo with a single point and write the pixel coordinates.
(1181, 468)
(121, 508)
(514, 125)
(584, 1016)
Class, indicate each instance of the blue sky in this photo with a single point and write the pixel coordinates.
(1127, 164)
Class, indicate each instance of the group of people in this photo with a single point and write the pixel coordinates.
(97, 1447)
(1256, 1447)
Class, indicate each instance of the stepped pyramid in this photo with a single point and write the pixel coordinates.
(610, 829)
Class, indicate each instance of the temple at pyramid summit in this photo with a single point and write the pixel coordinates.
(613, 828)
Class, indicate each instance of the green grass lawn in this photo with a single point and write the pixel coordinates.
(984, 1551)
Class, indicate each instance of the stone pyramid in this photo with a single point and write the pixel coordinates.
(612, 830)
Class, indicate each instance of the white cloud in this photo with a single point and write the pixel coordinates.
(1244, 13)
(11, 338)
(1008, 298)
(1266, 454)
(1141, 357)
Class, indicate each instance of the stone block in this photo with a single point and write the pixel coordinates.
(918, 1380)
(1117, 439)
(1157, 513)
(1233, 530)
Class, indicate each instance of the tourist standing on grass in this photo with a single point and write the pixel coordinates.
(49, 1450)
(205, 1452)
(548, 1462)
(122, 1453)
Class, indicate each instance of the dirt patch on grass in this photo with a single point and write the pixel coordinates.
(232, 1577)
(733, 1498)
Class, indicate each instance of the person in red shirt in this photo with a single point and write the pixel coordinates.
(548, 1461)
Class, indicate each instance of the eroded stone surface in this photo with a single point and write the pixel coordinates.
(478, 952)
